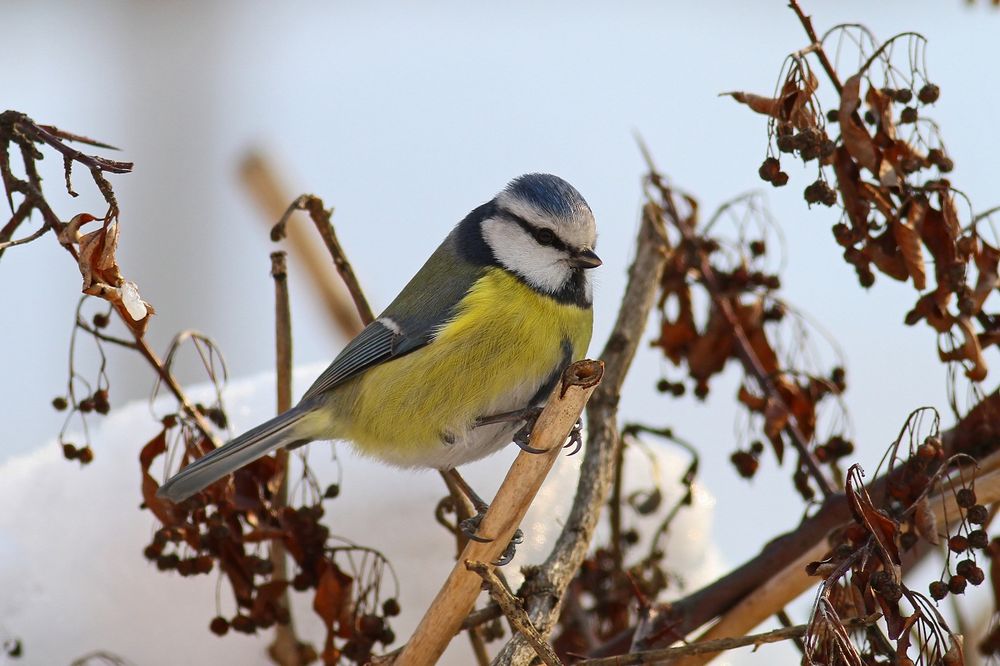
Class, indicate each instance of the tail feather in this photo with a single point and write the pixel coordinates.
(251, 445)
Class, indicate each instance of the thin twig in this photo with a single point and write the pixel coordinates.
(285, 648)
(321, 217)
(458, 594)
(714, 646)
(818, 50)
(514, 612)
(751, 364)
(261, 179)
(596, 472)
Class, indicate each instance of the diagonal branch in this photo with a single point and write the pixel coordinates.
(597, 470)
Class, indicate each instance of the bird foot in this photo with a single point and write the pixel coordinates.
(469, 526)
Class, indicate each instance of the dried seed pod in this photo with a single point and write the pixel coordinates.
(781, 178)
(938, 590)
(69, 451)
(958, 544)
(956, 585)
(909, 115)
(977, 514)
(746, 465)
(929, 93)
(786, 144)
(243, 624)
(979, 539)
(964, 567)
(902, 95)
(332, 491)
(833, 115)
(975, 576)
(769, 168)
(85, 455)
(219, 626)
(965, 497)
(390, 607)
(59, 403)
(101, 320)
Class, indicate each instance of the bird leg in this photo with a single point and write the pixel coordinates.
(529, 415)
(470, 525)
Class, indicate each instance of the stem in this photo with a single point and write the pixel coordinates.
(285, 648)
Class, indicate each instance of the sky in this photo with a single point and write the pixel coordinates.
(404, 118)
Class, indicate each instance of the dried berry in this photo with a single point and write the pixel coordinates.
(757, 248)
(869, 117)
(152, 551)
(101, 320)
(938, 590)
(746, 465)
(86, 405)
(945, 164)
(977, 514)
(902, 95)
(958, 544)
(85, 455)
(331, 491)
(664, 385)
(956, 585)
(929, 93)
(390, 607)
(975, 576)
(243, 624)
(909, 115)
(757, 447)
(964, 567)
(979, 539)
(169, 421)
(769, 169)
(69, 451)
(820, 192)
(387, 636)
(833, 115)
(219, 626)
(59, 403)
(301, 582)
(780, 179)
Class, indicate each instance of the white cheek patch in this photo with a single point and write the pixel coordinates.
(542, 266)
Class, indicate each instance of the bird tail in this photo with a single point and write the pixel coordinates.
(251, 445)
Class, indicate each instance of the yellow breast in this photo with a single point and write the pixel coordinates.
(505, 340)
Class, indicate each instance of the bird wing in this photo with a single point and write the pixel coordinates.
(410, 322)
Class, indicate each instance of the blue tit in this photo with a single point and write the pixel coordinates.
(485, 327)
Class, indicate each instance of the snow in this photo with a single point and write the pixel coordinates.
(74, 579)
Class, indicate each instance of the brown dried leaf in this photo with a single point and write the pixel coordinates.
(677, 336)
(849, 183)
(937, 236)
(332, 600)
(754, 403)
(883, 528)
(792, 105)
(769, 106)
(165, 511)
(884, 253)
(856, 138)
(969, 351)
(987, 260)
(908, 239)
(101, 274)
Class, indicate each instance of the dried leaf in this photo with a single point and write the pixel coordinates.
(969, 351)
(883, 251)
(754, 403)
(856, 138)
(791, 106)
(987, 260)
(935, 232)
(908, 240)
(332, 596)
(769, 106)
(849, 184)
(163, 510)
(880, 526)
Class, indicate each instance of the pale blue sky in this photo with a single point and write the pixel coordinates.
(405, 117)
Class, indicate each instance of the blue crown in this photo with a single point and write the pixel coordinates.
(548, 193)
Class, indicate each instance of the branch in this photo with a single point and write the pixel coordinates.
(286, 648)
(789, 553)
(714, 646)
(817, 46)
(597, 470)
(456, 598)
(514, 611)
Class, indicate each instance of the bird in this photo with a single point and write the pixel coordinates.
(469, 349)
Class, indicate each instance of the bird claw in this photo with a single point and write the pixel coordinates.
(470, 525)
(575, 438)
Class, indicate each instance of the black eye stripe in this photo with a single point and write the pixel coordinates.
(550, 239)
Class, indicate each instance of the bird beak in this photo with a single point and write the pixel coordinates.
(585, 259)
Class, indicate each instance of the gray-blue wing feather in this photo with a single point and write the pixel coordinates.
(411, 321)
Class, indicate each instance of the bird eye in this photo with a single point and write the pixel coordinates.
(545, 237)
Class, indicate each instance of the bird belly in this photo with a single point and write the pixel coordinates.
(502, 346)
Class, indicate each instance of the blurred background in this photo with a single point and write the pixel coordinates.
(404, 117)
